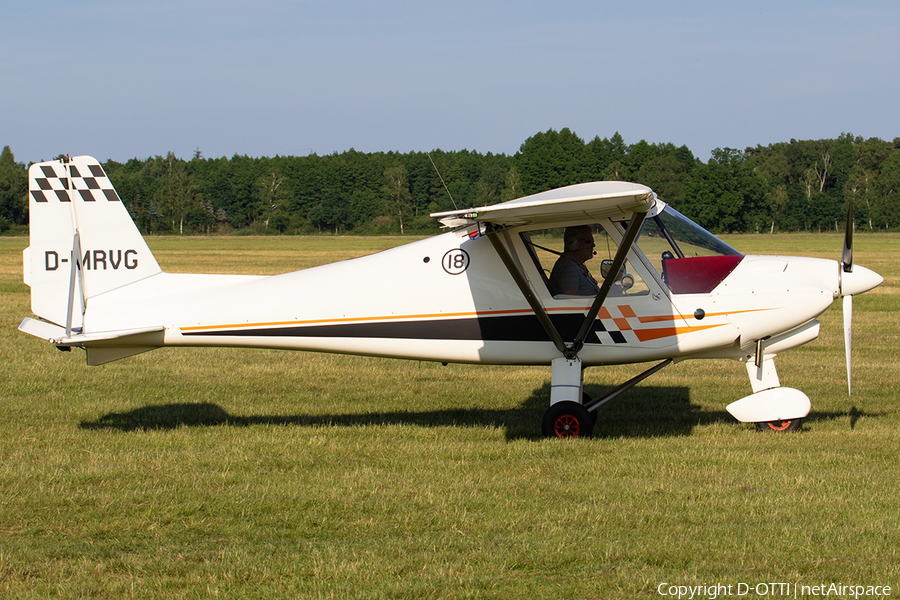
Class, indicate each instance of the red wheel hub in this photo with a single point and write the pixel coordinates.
(566, 426)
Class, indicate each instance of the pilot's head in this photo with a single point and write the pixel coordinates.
(579, 242)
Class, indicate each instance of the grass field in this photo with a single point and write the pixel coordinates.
(219, 473)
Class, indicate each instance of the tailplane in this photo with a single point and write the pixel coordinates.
(83, 241)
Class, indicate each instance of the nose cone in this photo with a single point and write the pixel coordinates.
(859, 280)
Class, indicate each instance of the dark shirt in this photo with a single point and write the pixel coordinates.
(568, 276)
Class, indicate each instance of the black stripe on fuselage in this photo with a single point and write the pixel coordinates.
(515, 328)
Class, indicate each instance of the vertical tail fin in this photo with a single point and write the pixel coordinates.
(83, 241)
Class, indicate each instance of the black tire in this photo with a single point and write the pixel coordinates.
(780, 426)
(567, 420)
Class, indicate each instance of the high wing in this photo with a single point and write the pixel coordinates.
(585, 201)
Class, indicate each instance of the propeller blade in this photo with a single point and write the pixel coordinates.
(847, 267)
(848, 326)
(847, 252)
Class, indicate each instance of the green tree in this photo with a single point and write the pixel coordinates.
(725, 195)
(665, 170)
(273, 197)
(331, 214)
(791, 185)
(552, 159)
(176, 196)
(601, 153)
(13, 191)
(886, 202)
(396, 190)
(512, 188)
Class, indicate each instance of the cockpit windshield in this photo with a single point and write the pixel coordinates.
(683, 237)
(688, 258)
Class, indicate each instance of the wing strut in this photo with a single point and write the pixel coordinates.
(493, 233)
(570, 351)
(634, 227)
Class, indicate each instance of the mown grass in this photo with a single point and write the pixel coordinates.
(195, 473)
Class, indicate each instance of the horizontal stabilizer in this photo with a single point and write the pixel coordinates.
(101, 347)
(42, 329)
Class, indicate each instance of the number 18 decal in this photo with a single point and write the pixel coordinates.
(455, 261)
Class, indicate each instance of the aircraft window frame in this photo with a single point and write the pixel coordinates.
(670, 219)
(646, 277)
(530, 246)
(636, 256)
(710, 258)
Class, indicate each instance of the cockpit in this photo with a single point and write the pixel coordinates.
(670, 250)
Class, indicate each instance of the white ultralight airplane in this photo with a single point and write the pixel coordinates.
(670, 291)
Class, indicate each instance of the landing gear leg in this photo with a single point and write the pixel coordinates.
(770, 406)
(561, 421)
(567, 417)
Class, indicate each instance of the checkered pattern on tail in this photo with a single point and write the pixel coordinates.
(91, 186)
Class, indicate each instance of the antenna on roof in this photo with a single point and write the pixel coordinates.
(442, 180)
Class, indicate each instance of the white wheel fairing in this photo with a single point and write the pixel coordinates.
(776, 404)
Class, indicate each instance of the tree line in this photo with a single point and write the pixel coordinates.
(787, 186)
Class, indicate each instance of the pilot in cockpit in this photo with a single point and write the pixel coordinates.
(569, 275)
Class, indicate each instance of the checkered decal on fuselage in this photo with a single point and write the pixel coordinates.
(616, 330)
(55, 184)
(609, 336)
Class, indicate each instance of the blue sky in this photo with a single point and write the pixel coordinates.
(119, 80)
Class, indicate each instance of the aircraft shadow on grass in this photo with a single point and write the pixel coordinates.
(641, 412)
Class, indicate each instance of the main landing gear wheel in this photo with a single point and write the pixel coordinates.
(780, 426)
(567, 420)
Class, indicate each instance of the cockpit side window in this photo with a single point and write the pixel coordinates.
(548, 250)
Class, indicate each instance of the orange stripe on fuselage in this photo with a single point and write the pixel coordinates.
(643, 335)
(622, 324)
(646, 335)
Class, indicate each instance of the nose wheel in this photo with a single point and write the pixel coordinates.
(566, 420)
